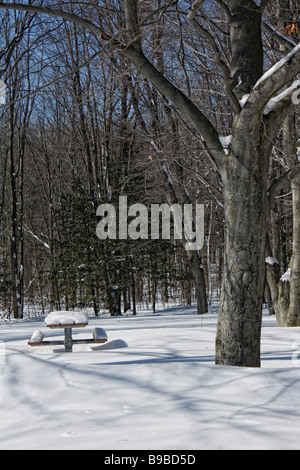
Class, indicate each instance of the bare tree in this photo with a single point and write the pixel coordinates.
(285, 290)
(17, 74)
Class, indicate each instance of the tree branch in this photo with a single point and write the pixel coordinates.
(279, 37)
(194, 8)
(132, 23)
(279, 184)
(220, 62)
(273, 81)
(183, 104)
(56, 13)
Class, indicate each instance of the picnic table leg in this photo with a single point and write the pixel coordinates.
(68, 340)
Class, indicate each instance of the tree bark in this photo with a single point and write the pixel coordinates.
(199, 282)
(281, 305)
(246, 46)
(245, 198)
(293, 316)
(14, 254)
(246, 205)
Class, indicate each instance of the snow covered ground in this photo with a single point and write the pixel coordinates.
(162, 391)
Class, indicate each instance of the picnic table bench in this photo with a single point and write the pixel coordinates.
(67, 320)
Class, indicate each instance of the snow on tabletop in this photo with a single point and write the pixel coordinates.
(65, 318)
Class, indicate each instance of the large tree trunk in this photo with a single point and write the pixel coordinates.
(293, 317)
(245, 197)
(246, 206)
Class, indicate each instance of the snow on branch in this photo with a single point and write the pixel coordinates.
(225, 142)
(274, 101)
(271, 260)
(269, 91)
(277, 66)
(169, 177)
(287, 276)
(37, 238)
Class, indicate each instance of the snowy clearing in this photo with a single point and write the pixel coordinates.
(159, 389)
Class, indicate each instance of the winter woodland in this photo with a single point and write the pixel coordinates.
(163, 102)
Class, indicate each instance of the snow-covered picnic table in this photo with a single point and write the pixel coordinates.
(64, 319)
(67, 320)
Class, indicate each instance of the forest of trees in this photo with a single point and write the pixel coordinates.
(135, 98)
(90, 135)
